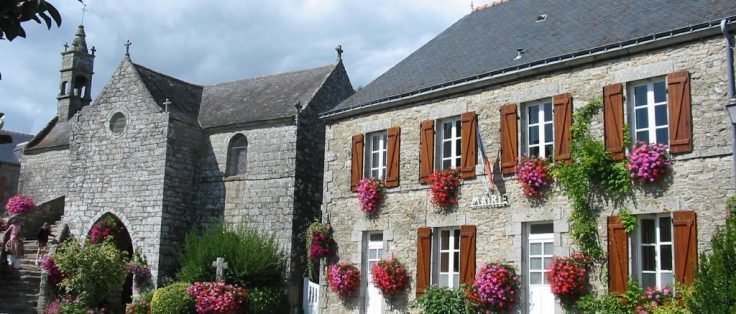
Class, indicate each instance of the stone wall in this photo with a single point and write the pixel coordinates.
(44, 175)
(124, 173)
(702, 180)
(9, 173)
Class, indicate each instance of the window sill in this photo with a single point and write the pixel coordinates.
(234, 178)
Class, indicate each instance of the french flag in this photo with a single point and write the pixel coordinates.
(486, 162)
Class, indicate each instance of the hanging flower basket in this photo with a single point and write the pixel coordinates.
(19, 204)
(534, 176)
(106, 228)
(568, 277)
(218, 297)
(141, 273)
(445, 187)
(389, 276)
(648, 162)
(320, 244)
(495, 288)
(343, 279)
(370, 195)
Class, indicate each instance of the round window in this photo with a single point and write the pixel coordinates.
(117, 123)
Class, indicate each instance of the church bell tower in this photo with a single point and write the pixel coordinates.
(75, 86)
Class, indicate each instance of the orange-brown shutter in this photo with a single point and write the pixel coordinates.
(469, 157)
(424, 253)
(618, 256)
(426, 151)
(563, 125)
(509, 139)
(393, 158)
(613, 119)
(686, 245)
(467, 254)
(356, 168)
(678, 99)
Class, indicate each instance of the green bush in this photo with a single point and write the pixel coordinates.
(173, 299)
(93, 272)
(254, 259)
(74, 308)
(441, 300)
(141, 304)
(600, 303)
(713, 290)
(268, 300)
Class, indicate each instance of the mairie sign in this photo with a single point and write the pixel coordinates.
(490, 200)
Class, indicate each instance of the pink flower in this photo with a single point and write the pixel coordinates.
(445, 187)
(533, 174)
(370, 194)
(343, 279)
(19, 204)
(389, 276)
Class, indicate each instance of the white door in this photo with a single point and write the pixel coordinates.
(374, 253)
(540, 251)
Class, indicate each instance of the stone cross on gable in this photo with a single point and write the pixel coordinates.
(127, 47)
(221, 265)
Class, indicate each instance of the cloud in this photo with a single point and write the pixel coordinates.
(206, 42)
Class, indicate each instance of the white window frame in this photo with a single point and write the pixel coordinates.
(651, 109)
(538, 238)
(455, 139)
(372, 245)
(541, 125)
(378, 172)
(637, 250)
(454, 232)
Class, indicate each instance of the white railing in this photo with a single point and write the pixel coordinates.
(310, 304)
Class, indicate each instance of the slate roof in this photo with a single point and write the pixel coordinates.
(260, 98)
(55, 134)
(184, 97)
(7, 154)
(486, 41)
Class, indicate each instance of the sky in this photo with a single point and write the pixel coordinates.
(204, 42)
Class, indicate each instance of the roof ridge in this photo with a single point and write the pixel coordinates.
(138, 66)
(488, 5)
(42, 134)
(271, 75)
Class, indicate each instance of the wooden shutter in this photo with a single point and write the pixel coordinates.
(509, 139)
(469, 157)
(685, 232)
(467, 254)
(678, 100)
(393, 158)
(424, 253)
(613, 119)
(618, 256)
(356, 168)
(426, 151)
(563, 125)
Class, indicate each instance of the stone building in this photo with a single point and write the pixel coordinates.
(10, 164)
(514, 71)
(164, 156)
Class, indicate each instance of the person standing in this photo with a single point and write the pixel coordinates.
(43, 240)
(14, 246)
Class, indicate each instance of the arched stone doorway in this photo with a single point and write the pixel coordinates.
(110, 225)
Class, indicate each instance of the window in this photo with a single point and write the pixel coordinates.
(541, 252)
(447, 262)
(375, 155)
(449, 148)
(117, 123)
(648, 114)
(62, 92)
(653, 252)
(538, 131)
(237, 153)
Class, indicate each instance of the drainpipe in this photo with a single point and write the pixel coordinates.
(731, 87)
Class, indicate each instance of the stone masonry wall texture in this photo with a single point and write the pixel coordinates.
(702, 180)
(44, 175)
(120, 173)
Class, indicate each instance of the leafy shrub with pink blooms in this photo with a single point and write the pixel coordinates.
(495, 288)
(19, 204)
(54, 273)
(653, 298)
(568, 277)
(217, 297)
(648, 162)
(370, 195)
(445, 187)
(141, 273)
(343, 279)
(103, 229)
(389, 276)
(534, 176)
(320, 244)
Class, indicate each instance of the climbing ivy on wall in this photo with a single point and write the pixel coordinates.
(592, 178)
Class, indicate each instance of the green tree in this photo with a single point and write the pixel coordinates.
(15, 12)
